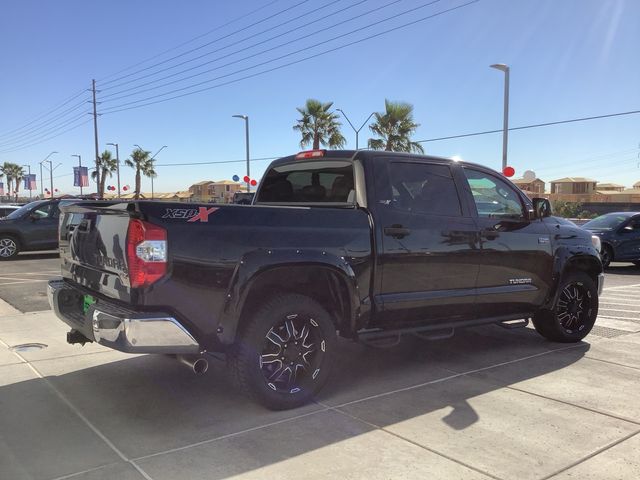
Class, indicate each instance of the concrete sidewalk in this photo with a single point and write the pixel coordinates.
(488, 403)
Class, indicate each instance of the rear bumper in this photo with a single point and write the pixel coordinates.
(600, 283)
(119, 328)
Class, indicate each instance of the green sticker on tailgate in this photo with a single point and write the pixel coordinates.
(87, 301)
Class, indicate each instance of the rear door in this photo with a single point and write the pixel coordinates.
(629, 238)
(426, 241)
(516, 260)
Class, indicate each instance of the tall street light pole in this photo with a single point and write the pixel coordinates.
(357, 130)
(29, 167)
(246, 133)
(79, 171)
(41, 184)
(117, 165)
(505, 122)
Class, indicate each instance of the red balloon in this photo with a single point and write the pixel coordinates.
(253, 183)
(125, 188)
(246, 179)
(57, 190)
(508, 171)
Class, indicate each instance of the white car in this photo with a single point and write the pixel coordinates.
(7, 209)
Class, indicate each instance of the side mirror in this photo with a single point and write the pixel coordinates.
(541, 208)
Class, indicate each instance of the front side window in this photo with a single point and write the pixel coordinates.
(493, 197)
(423, 188)
(326, 181)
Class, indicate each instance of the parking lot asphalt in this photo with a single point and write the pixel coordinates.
(487, 403)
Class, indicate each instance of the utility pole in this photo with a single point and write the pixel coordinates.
(95, 134)
(117, 165)
(79, 171)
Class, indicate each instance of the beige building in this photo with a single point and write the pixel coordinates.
(573, 186)
(636, 185)
(530, 186)
(610, 187)
(210, 191)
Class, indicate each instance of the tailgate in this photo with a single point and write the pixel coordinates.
(93, 246)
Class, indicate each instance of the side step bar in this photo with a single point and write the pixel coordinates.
(382, 338)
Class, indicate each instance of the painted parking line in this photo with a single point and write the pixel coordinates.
(620, 287)
(615, 318)
(22, 281)
(619, 310)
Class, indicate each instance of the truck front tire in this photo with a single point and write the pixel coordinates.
(282, 356)
(574, 312)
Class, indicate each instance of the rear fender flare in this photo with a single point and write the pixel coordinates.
(256, 263)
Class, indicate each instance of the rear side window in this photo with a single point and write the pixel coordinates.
(329, 181)
(424, 188)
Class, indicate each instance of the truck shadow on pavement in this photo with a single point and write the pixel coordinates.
(150, 404)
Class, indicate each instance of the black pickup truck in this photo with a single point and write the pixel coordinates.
(367, 245)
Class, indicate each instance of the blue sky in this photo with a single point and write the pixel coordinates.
(568, 59)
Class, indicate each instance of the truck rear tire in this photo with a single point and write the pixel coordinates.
(282, 356)
(574, 313)
(9, 247)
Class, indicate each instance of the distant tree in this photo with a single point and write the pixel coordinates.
(108, 165)
(18, 176)
(319, 126)
(142, 162)
(395, 127)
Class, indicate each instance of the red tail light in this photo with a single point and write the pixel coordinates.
(146, 253)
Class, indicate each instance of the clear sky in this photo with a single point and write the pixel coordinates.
(568, 59)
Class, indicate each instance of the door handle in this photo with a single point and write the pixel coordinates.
(396, 231)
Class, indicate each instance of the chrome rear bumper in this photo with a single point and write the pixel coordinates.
(119, 328)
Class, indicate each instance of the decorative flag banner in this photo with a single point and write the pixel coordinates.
(30, 182)
(1, 188)
(80, 176)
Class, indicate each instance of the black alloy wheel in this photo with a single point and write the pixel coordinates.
(283, 353)
(291, 357)
(574, 307)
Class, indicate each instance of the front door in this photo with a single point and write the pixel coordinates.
(43, 231)
(427, 244)
(516, 260)
(629, 238)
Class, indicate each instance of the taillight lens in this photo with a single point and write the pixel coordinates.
(146, 253)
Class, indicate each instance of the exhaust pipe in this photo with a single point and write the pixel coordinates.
(197, 363)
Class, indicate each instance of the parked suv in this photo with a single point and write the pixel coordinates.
(33, 226)
(367, 245)
(619, 234)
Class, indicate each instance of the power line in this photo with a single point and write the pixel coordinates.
(559, 122)
(213, 162)
(231, 45)
(127, 106)
(55, 128)
(22, 147)
(35, 129)
(209, 43)
(276, 47)
(43, 115)
(215, 29)
(304, 49)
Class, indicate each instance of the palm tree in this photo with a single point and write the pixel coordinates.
(395, 127)
(319, 126)
(108, 165)
(143, 164)
(18, 175)
(5, 170)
